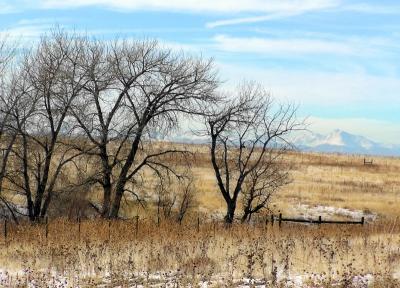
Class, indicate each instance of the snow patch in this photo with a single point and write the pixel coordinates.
(314, 212)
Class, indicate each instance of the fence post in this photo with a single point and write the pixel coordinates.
(109, 230)
(47, 226)
(137, 226)
(362, 220)
(272, 220)
(319, 219)
(79, 228)
(5, 229)
(280, 220)
(214, 227)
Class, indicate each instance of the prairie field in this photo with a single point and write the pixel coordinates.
(146, 250)
(321, 184)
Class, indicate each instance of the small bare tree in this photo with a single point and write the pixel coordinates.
(249, 136)
(263, 182)
(175, 198)
(186, 200)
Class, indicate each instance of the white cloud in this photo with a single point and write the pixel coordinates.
(371, 9)
(6, 8)
(254, 19)
(290, 9)
(323, 89)
(26, 33)
(200, 6)
(330, 92)
(283, 46)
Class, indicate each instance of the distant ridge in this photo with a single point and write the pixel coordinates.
(339, 141)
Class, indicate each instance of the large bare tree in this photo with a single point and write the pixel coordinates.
(249, 136)
(8, 101)
(48, 80)
(134, 91)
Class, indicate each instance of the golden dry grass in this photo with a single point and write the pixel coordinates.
(115, 254)
(334, 180)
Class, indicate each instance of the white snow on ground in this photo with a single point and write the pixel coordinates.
(328, 212)
(170, 278)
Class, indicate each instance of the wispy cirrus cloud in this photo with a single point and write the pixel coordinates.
(369, 8)
(354, 88)
(296, 45)
(288, 9)
(254, 19)
(6, 7)
(284, 46)
(199, 6)
(211, 6)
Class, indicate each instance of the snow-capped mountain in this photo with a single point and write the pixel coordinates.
(343, 142)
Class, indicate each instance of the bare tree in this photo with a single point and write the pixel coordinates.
(263, 182)
(135, 91)
(248, 137)
(175, 198)
(49, 80)
(186, 200)
(8, 100)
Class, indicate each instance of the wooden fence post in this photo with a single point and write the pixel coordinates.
(5, 229)
(280, 220)
(47, 226)
(319, 220)
(79, 228)
(137, 226)
(214, 227)
(362, 220)
(109, 230)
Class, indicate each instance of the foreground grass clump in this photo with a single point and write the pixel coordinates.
(110, 254)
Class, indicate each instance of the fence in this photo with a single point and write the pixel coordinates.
(196, 224)
(368, 162)
(281, 219)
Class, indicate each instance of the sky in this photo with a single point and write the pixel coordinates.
(339, 60)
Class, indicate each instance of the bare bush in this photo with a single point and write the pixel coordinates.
(175, 199)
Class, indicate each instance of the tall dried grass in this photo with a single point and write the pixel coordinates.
(99, 252)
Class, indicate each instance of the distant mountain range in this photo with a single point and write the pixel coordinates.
(337, 141)
(343, 142)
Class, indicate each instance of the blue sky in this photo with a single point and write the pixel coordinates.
(338, 59)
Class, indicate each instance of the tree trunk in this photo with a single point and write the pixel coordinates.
(119, 192)
(246, 215)
(122, 179)
(230, 212)
(106, 181)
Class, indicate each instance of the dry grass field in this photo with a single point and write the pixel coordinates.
(126, 253)
(321, 184)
